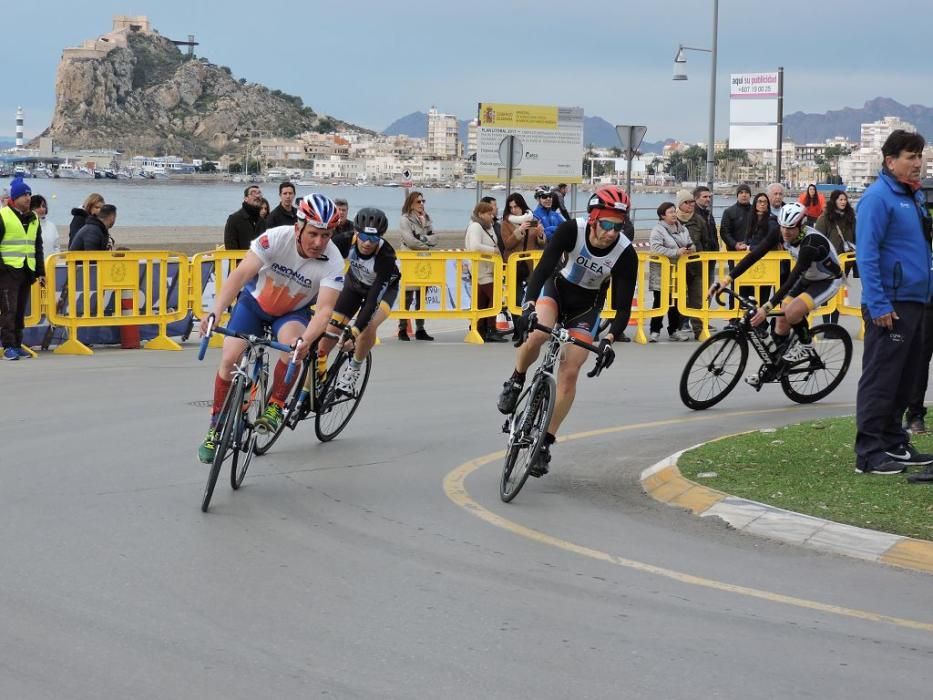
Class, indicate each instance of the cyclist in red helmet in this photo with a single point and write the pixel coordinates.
(569, 285)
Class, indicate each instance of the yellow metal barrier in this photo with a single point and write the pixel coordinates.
(445, 287)
(209, 271)
(643, 300)
(97, 281)
(764, 276)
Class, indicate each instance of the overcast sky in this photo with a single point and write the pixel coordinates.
(371, 61)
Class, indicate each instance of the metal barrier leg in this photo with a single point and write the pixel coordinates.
(73, 346)
(162, 341)
(473, 335)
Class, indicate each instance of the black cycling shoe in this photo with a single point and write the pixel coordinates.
(509, 396)
(540, 467)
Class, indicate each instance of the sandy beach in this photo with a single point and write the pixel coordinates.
(197, 239)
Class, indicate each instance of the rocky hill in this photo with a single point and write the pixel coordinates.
(141, 94)
(815, 128)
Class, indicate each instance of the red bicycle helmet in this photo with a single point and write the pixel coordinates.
(610, 197)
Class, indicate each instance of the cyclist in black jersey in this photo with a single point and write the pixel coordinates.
(569, 284)
(370, 288)
(814, 280)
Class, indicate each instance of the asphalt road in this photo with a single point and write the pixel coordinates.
(383, 565)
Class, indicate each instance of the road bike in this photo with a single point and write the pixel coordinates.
(527, 425)
(716, 366)
(316, 394)
(250, 388)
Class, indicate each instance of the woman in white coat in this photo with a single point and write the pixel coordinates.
(481, 237)
(669, 238)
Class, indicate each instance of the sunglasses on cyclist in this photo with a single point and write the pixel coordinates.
(611, 226)
(367, 237)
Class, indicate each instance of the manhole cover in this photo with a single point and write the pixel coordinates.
(207, 403)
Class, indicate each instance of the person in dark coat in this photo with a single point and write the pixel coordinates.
(79, 215)
(95, 234)
(285, 214)
(734, 223)
(245, 224)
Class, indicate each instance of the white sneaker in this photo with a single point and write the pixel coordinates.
(654, 337)
(347, 380)
(753, 380)
(684, 335)
(798, 352)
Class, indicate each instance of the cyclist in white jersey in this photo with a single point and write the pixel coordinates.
(569, 284)
(814, 280)
(287, 269)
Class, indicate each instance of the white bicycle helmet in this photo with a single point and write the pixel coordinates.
(791, 215)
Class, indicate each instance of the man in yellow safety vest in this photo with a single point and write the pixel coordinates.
(21, 264)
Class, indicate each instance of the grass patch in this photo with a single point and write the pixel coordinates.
(810, 468)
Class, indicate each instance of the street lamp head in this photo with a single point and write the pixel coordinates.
(680, 65)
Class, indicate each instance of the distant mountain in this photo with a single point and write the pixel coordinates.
(596, 131)
(816, 128)
(416, 126)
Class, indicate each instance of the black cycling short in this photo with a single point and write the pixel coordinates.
(352, 298)
(578, 309)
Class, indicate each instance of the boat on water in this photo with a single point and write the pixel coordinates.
(391, 184)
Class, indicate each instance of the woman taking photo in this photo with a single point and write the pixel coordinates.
(837, 223)
(813, 203)
(417, 234)
(481, 238)
(671, 239)
(521, 232)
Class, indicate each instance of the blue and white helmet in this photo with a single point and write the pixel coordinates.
(318, 210)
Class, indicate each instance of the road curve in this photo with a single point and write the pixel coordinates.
(360, 568)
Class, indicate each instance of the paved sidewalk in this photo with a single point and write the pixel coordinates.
(664, 482)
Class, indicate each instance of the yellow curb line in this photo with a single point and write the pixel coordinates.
(455, 489)
(669, 486)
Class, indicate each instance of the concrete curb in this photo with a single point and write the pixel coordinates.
(664, 483)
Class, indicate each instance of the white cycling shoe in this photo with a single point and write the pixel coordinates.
(798, 352)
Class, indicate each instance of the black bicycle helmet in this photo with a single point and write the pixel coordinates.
(371, 220)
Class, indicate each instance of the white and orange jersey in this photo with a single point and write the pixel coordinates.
(287, 281)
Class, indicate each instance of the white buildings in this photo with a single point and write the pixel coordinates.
(443, 135)
(861, 168)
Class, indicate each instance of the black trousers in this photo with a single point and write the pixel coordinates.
(412, 296)
(915, 407)
(890, 362)
(673, 316)
(14, 293)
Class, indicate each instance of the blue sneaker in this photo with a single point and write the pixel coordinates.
(10, 354)
(22, 352)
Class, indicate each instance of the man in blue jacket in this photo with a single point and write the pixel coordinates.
(895, 263)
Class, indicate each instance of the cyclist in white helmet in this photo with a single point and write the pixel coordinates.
(815, 279)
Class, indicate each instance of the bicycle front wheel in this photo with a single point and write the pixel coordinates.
(336, 408)
(528, 427)
(264, 440)
(255, 404)
(713, 370)
(227, 423)
(819, 376)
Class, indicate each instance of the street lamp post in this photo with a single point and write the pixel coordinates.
(680, 74)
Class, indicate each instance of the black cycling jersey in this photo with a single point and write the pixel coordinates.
(587, 272)
(369, 275)
(815, 257)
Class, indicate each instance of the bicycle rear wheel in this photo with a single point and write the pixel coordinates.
(264, 440)
(335, 409)
(528, 427)
(227, 424)
(713, 370)
(817, 378)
